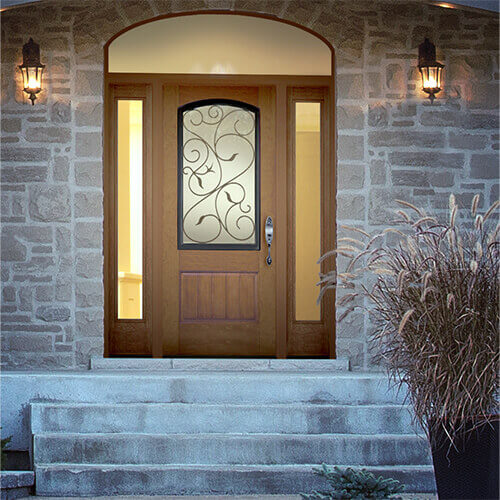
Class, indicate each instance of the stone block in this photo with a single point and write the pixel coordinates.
(88, 204)
(350, 117)
(89, 265)
(24, 174)
(60, 112)
(63, 240)
(88, 114)
(88, 173)
(22, 154)
(51, 314)
(470, 68)
(409, 178)
(350, 207)
(351, 176)
(440, 118)
(88, 235)
(89, 323)
(50, 203)
(8, 294)
(494, 193)
(468, 141)
(395, 79)
(35, 342)
(61, 168)
(427, 159)
(377, 115)
(350, 86)
(11, 125)
(374, 85)
(44, 293)
(89, 83)
(60, 65)
(441, 179)
(12, 249)
(403, 138)
(484, 166)
(351, 147)
(89, 144)
(58, 135)
(377, 172)
(483, 96)
(63, 289)
(89, 294)
(479, 121)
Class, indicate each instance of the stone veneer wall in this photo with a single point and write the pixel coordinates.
(391, 143)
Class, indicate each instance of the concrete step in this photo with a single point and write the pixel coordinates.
(172, 418)
(220, 364)
(231, 449)
(86, 480)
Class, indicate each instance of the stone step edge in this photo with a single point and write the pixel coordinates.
(223, 467)
(219, 435)
(220, 364)
(70, 404)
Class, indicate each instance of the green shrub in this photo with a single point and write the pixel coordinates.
(350, 484)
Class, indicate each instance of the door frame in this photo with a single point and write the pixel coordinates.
(152, 85)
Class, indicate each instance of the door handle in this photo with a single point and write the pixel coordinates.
(269, 230)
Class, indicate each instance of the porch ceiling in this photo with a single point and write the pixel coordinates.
(492, 5)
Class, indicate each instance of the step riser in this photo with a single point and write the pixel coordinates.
(230, 449)
(107, 481)
(174, 418)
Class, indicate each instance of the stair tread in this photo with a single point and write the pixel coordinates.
(223, 467)
(325, 404)
(222, 435)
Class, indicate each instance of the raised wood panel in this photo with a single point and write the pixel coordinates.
(210, 297)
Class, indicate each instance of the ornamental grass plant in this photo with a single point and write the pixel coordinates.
(434, 304)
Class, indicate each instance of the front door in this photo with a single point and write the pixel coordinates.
(200, 172)
(219, 189)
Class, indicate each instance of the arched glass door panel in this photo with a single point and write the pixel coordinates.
(218, 176)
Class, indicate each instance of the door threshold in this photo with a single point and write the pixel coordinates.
(220, 364)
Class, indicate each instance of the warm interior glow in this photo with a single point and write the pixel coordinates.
(307, 209)
(222, 43)
(32, 79)
(431, 77)
(130, 212)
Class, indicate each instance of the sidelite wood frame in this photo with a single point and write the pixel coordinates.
(147, 337)
(126, 336)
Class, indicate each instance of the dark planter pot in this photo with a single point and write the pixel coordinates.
(468, 470)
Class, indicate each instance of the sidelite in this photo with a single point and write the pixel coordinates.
(218, 175)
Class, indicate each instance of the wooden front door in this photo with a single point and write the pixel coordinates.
(219, 188)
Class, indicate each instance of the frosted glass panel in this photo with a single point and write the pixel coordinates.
(307, 209)
(218, 176)
(130, 213)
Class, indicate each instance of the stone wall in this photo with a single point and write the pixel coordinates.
(391, 143)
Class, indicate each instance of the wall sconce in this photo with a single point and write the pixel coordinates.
(430, 69)
(32, 69)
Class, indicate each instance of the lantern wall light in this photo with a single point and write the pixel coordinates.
(430, 69)
(32, 69)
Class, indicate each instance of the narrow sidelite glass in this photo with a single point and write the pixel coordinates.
(307, 209)
(130, 208)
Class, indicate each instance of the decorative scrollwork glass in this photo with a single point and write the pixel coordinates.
(218, 176)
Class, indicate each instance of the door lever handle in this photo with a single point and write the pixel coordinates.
(269, 230)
